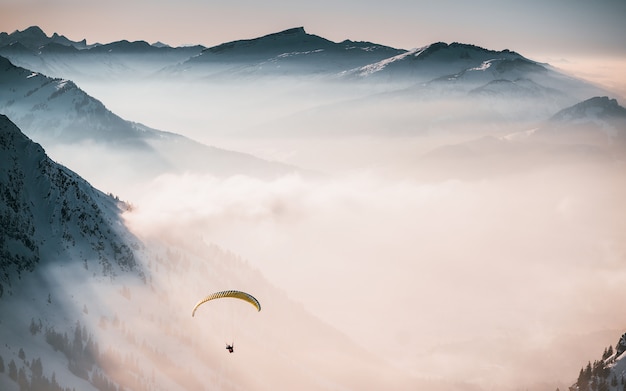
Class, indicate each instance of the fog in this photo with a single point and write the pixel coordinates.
(499, 273)
(467, 281)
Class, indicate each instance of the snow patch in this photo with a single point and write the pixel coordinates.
(292, 54)
(61, 84)
(379, 66)
(483, 67)
(523, 135)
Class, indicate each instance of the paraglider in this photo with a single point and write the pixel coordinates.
(229, 294)
(234, 294)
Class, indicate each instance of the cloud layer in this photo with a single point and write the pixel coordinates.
(444, 278)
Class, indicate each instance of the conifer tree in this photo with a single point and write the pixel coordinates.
(13, 370)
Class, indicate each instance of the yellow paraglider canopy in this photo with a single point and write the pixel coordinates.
(234, 294)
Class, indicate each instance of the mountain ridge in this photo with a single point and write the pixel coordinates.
(57, 111)
(28, 236)
(34, 37)
(291, 52)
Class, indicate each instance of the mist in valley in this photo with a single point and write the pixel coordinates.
(497, 270)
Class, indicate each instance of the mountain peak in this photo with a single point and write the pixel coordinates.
(293, 39)
(34, 37)
(291, 31)
(32, 31)
(463, 51)
(597, 107)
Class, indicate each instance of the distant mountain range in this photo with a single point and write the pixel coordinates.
(58, 56)
(292, 52)
(33, 38)
(492, 87)
(501, 86)
(56, 112)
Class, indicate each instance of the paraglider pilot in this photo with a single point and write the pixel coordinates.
(230, 348)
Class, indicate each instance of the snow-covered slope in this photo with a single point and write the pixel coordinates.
(88, 305)
(432, 61)
(499, 78)
(58, 236)
(56, 109)
(607, 373)
(48, 209)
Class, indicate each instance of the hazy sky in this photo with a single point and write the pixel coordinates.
(531, 27)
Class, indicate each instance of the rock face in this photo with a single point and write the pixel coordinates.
(47, 212)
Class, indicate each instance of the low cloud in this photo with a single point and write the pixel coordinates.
(464, 280)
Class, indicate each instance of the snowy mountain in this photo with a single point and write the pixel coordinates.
(607, 373)
(87, 305)
(47, 209)
(64, 118)
(432, 61)
(59, 57)
(290, 52)
(504, 81)
(56, 109)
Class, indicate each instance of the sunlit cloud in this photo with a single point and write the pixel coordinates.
(435, 276)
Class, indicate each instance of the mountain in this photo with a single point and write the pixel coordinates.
(599, 109)
(89, 305)
(432, 61)
(599, 121)
(501, 82)
(59, 57)
(34, 38)
(56, 109)
(292, 52)
(48, 209)
(64, 119)
(287, 53)
(606, 373)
